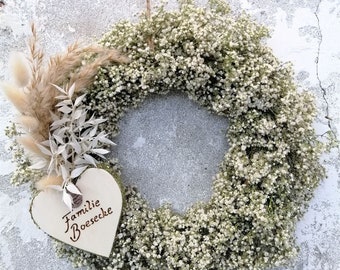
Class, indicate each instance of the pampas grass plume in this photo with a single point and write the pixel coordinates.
(28, 122)
(20, 69)
(15, 95)
(49, 180)
(30, 145)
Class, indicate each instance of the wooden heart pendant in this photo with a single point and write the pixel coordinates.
(92, 226)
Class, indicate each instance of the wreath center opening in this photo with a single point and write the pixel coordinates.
(170, 149)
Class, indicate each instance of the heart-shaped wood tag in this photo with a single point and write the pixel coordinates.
(92, 226)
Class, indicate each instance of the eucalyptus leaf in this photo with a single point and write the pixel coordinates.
(90, 159)
(38, 165)
(106, 141)
(80, 161)
(61, 149)
(59, 123)
(45, 143)
(100, 151)
(79, 100)
(71, 91)
(78, 171)
(60, 89)
(64, 172)
(67, 199)
(44, 150)
(58, 138)
(93, 131)
(64, 155)
(76, 146)
(77, 114)
(65, 110)
(73, 188)
(97, 121)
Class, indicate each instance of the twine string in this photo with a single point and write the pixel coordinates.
(148, 15)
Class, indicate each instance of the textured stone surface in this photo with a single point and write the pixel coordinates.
(170, 149)
(304, 32)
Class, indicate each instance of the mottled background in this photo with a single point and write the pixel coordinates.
(170, 139)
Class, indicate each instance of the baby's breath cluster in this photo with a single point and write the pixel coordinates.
(23, 173)
(270, 170)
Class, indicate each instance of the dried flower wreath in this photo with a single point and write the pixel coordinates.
(268, 174)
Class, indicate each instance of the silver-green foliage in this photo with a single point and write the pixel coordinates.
(74, 142)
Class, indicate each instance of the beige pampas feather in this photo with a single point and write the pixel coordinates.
(62, 67)
(86, 74)
(20, 69)
(60, 70)
(36, 60)
(38, 99)
(30, 145)
(28, 122)
(46, 181)
(16, 96)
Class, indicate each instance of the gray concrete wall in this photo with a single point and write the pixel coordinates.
(305, 32)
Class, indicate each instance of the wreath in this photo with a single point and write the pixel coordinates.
(219, 60)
